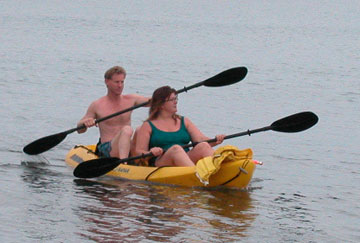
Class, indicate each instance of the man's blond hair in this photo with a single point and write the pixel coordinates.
(114, 70)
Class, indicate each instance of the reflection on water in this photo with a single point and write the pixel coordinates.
(233, 209)
(39, 175)
(138, 211)
(293, 208)
(41, 212)
(125, 211)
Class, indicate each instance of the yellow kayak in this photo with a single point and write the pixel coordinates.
(228, 167)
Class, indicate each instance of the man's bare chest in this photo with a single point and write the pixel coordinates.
(109, 109)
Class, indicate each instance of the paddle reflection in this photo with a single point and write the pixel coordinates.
(128, 211)
(39, 177)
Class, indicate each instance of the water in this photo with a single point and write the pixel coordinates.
(300, 55)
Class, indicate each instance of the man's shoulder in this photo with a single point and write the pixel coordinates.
(134, 99)
(99, 102)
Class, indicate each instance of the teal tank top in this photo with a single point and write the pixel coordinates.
(165, 140)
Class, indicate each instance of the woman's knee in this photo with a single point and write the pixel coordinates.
(203, 146)
(176, 149)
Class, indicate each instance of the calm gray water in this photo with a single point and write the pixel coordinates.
(301, 55)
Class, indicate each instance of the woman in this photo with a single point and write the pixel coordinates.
(166, 130)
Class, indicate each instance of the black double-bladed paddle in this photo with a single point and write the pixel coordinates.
(224, 78)
(290, 124)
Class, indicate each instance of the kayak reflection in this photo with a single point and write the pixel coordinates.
(131, 211)
(125, 211)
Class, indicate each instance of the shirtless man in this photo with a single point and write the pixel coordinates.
(116, 132)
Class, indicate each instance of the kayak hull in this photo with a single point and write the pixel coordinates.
(236, 173)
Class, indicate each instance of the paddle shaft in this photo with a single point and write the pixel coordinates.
(294, 123)
(185, 89)
(115, 114)
(193, 144)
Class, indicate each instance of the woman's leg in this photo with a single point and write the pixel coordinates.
(200, 151)
(174, 156)
(120, 145)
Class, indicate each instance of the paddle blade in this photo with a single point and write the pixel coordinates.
(295, 123)
(227, 77)
(96, 167)
(43, 144)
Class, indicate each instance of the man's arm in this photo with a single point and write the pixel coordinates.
(141, 99)
(89, 118)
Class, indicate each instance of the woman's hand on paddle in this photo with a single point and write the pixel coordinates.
(156, 151)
